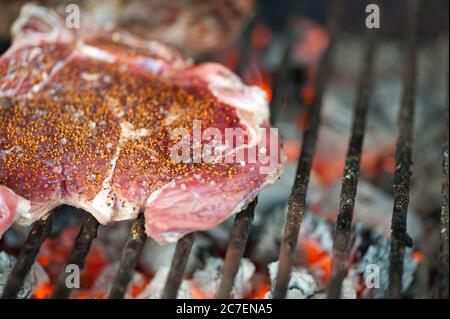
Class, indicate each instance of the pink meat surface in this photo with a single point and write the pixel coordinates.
(88, 119)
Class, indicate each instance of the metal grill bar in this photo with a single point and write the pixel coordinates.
(351, 174)
(443, 258)
(279, 78)
(86, 236)
(297, 200)
(399, 237)
(236, 249)
(27, 256)
(129, 259)
(178, 266)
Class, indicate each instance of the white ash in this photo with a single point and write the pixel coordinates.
(373, 207)
(35, 278)
(302, 284)
(348, 290)
(155, 288)
(319, 230)
(349, 286)
(378, 255)
(155, 256)
(208, 279)
(382, 120)
(106, 278)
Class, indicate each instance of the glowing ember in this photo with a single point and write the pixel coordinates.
(292, 150)
(197, 293)
(314, 257)
(308, 94)
(261, 292)
(53, 257)
(43, 291)
(328, 171)
(261, 37)
(418, 257)
(254, 74)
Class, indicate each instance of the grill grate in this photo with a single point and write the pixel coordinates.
(235, 250)
(86, 236)
(297, 201)
(27, 256)
(443, 258)
(399, 236)
(351, 173)
(129, 259)
(178, 266)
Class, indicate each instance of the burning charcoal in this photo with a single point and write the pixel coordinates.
(104, 282)
(155, 256)
(319, 230)
(37, 276)
(207, 280)
(348, 288)
(377, 259)
(302, 284)
(314, 228)
(373, 207)
(155, 288)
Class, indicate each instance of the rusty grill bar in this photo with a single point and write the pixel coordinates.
(28, 254)
(178, 266)
(351, 173)
(86, 236)
(129, 259)
(297, 201)
(443, 256)
(235, 250)
(399, 236)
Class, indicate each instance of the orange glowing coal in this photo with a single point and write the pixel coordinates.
(383, 161)
(254, 74)
(197, 293)
(308, 93)
(292, 149)
(44, 291)
(328, 171)
(261, 37)
(314, 257)
(261, 292)
(54, 254)
(418, 257)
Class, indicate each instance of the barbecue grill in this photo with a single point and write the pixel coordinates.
(297, 201)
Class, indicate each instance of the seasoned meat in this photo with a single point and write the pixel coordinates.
(94, 120)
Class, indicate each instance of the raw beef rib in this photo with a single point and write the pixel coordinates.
(86, 119)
